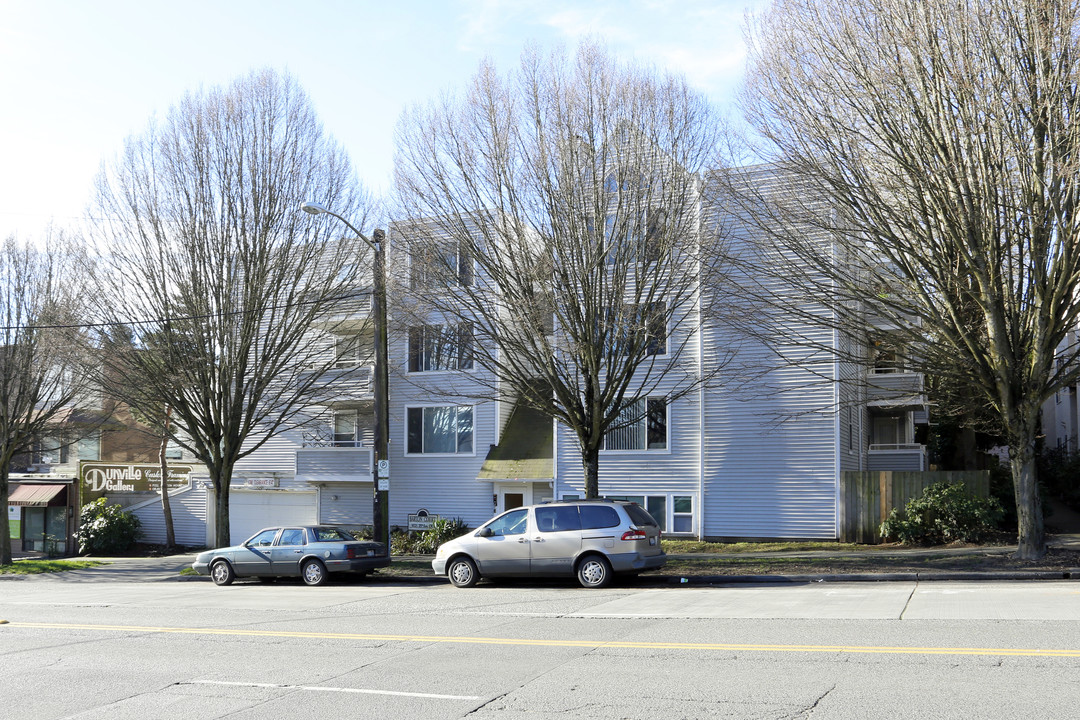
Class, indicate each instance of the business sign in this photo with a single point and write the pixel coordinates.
(100, 479)
(14, 521)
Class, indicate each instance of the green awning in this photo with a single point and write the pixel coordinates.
(526, 451)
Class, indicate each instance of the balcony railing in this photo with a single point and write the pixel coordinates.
(897, 456)
(334, 464)
(889, 387)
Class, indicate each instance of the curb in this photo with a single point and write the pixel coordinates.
(1070, 574)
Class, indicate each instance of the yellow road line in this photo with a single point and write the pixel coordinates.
(471, 640)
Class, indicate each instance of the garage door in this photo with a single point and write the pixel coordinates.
(251, 511)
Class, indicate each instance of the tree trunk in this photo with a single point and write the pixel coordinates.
(5, 528)
(1030, 532)
(166, 510)
(220, 479)
(590, 462)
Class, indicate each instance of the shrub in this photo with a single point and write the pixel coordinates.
(943, 513)
(426, 542)
(106, 528)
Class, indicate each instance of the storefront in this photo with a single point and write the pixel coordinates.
(41, 516)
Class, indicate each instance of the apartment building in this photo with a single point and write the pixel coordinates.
(755, 452)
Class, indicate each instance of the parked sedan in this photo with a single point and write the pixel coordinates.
(310, 552)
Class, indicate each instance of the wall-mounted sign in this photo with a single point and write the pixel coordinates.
(421, 520)
(99, 479)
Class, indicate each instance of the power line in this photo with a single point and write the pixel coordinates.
(183, 318)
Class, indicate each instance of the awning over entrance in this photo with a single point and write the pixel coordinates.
(526, 451)
(37, 495)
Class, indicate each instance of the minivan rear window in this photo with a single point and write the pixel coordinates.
(598, 516)
(640, 516)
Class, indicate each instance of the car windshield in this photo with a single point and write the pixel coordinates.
(330, 534)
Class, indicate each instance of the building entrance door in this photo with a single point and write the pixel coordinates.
(512, 496)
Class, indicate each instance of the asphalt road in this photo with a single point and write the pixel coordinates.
(79, 646)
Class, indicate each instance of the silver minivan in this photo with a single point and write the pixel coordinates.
(592, 539)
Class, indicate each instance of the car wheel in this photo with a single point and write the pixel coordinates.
(594, 571)
(222, 573)
(313, 572)
(462, 572)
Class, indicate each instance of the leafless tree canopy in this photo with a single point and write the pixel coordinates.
(557, 210)
(45, 361)
(216, 279)
(942, 137)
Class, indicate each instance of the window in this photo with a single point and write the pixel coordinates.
(642, 425)
(560, 518)
(515, 522)
(89, 447)
(653, 509)
(851, 428)
(889, 430)
(49, 451)
(442, 266)
(438, 347)
(641, 326)
(291, 536)
(346, 429)
(595, 517)
(651, 319)
(439, 430)
(682, 515)
(173, 451)
(263, 539)
(887, 357)
(347, 351)
(644, 240)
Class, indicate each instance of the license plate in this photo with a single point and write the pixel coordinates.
(652, 541)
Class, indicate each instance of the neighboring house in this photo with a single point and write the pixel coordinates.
(1060, 425)
(48, 484)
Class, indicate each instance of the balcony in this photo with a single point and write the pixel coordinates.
(337, 463)
(347, 385)
(897, 456)
(353, 315)
(895, 389)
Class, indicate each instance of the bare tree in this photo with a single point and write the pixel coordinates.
(557, 220)
(45, 359)
(941, 137)
(218, 279)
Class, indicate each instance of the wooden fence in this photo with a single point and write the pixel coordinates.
(866, 498)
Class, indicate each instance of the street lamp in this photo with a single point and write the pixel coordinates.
(380, 470)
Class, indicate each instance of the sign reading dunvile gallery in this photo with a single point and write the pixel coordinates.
(100, 479)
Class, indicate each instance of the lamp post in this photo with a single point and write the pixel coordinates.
(380, 470)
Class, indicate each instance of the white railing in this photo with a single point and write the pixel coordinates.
(893, 447)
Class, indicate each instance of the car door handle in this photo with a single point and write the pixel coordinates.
(523, 540)
(538, 539)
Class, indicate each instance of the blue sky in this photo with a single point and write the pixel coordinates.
(77, 77)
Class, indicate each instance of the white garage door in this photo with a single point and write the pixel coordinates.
(251, 511)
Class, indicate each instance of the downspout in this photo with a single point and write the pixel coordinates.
(701, 385)
(836, 422)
